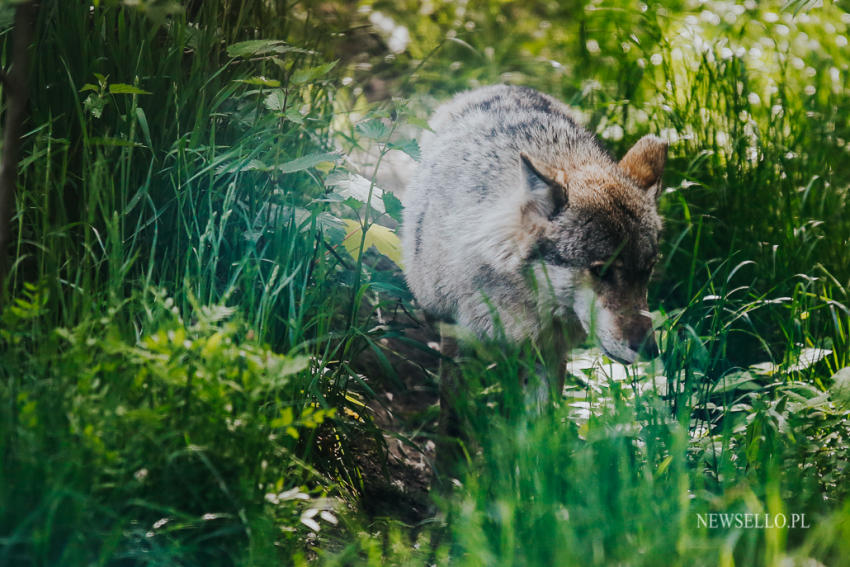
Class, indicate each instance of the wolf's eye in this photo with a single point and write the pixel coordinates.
(651, 265)
(602, 270)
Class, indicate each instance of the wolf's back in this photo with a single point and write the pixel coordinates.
(462, 199)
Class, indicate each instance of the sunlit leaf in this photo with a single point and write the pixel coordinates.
(419, 123)
(260, 82)
(302, 76)
(293, 365)
(840, 389)
(122, 88)
(306, 162)
(735, 381)
(275, 100)
(374, 129)
(94, 105)
(382, 238)
(392, 205)
(809, 357)
(409, 146)
(256, 47)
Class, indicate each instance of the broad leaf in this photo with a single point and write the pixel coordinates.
(256, 47)
(840, 389)
(382, 238)
(121, 88)
(309, 75)
(419, 123)
(306, 162)
(354, 186)
(735, 381)
(392, 205)
(374, 129)
(409, 146)
(260, 82)
(275, 100)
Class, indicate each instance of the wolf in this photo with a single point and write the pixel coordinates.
(519, 223)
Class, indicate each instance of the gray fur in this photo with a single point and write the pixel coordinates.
(515, 210)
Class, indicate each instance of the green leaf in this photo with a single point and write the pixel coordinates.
(392, 205)
(735, 381)
(143, 124)
(254, 165)
(306, 162)
(286, 418)
(409, 146)
(840, 389)
(256, 47)
(276, 100)
(293, 115)
(353, 203)
(382, 238)
(94, 105)
(89, 87)
(374, 129)
(123, 88)
(419, 123)
(293, 365)
(260, 82)
(663, 466)
(302, 76)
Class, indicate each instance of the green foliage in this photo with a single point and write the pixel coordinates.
(199, 266)
(181, 430)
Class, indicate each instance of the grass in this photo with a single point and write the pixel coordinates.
(194, 290)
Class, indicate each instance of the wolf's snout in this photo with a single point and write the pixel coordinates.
(642, 339)
(647, 347)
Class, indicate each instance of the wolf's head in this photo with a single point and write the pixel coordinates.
(597, 230)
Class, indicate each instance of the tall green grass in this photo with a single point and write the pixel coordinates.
(170, 351)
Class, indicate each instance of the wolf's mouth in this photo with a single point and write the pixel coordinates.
(619, 358)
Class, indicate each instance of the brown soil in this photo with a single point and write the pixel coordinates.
(397, 469)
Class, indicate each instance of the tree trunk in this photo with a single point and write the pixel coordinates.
(16, 87)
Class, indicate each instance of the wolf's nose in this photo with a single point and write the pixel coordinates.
(647, 347)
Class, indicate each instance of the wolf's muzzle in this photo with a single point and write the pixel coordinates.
(646, 347)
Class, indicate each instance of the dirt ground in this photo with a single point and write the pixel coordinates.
(397, 477)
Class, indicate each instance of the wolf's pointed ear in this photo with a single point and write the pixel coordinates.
(645, 163)
(546, 186)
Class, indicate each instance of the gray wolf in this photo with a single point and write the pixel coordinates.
(518, 221)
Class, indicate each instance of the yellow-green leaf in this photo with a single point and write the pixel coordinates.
(121, 88)
(260, 82)
(286, 418)
(665, 464)
(382, 238)
(213, 345)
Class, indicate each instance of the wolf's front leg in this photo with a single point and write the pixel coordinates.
(553, 345)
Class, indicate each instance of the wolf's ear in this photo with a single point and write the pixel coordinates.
(545, 185)
(645, 162)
